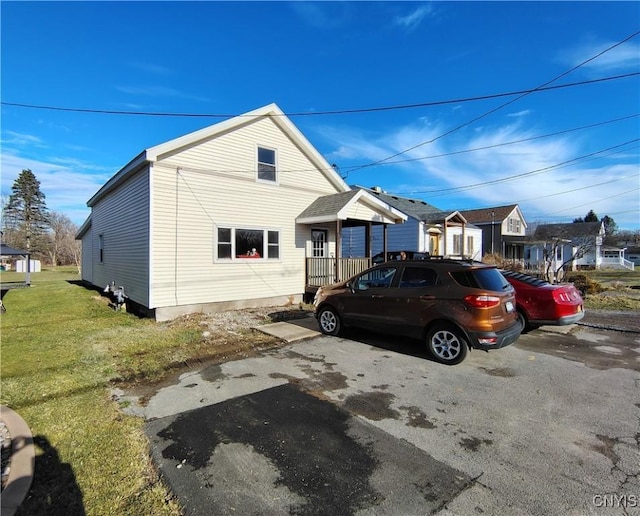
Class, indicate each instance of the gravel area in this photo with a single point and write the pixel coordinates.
(612, 320)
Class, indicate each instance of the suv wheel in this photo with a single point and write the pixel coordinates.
(447, 344)
(329, 321)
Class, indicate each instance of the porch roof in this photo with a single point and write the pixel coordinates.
(342, 206)
(7, 250)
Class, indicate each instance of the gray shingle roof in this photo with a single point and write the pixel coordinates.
(328, 204)
(413, 207)
(484, 215)
(572, 230)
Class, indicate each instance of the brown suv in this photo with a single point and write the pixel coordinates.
(452, 304)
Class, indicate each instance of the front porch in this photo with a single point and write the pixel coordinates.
(325, 218)
(325, 271)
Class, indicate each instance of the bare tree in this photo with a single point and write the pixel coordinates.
(63, 248)
(563, 244)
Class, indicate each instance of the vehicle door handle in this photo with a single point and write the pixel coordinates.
(376, 296)
(427, 298)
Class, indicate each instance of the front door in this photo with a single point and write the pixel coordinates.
(434, 248)
(319, 243)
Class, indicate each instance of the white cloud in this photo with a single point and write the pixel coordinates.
(524, 112)
(21, 139)
(66, 183)
(541, 189)
(621, 58)
(414, 18)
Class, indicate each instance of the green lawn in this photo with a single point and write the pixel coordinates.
(62, 350)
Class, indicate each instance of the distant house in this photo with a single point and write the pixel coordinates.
(427, 229)
(243, 213)
(503, 230)
(572, 246)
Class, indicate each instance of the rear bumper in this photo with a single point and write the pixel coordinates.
(562, 321)
(502, 338)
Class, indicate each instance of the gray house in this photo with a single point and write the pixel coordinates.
(427, 229)
(503, 230)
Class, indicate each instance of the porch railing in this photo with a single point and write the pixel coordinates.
(617, 263)
(325, 271)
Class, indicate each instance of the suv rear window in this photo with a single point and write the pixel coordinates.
(487, 279)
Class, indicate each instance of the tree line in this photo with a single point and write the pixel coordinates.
(27, 224)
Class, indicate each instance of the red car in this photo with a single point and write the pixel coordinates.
(540, 303)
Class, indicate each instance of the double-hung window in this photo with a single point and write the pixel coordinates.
(457, 244)
(267, 165)
(240, 243)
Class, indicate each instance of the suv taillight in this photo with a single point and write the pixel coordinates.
(483, 301)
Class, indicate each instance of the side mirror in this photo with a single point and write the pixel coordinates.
(350, 286)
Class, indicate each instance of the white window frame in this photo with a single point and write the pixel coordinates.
(264, 252)
(320, 252)
(457, 244)
(264, 163)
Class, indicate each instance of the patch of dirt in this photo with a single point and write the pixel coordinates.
(227, 336)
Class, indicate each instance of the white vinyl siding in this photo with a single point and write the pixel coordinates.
(121, 221)
(213, 184)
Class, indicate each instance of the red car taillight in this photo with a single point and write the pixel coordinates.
(483, 301)
(562, 296)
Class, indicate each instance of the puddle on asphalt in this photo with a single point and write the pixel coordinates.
(596, 349)
(375, 406)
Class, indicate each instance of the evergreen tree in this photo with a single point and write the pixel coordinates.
(25, 216)
(591, 217)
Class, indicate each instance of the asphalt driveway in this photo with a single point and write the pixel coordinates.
(370, 425)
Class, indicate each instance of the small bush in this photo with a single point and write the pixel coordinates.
(584, 284)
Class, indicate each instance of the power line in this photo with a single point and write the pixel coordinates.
(513, 142)
(491, 111)
(322, 113)
(596, 201)
(576, 189)
(524, 174)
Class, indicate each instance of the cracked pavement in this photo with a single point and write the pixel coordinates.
(370, 425)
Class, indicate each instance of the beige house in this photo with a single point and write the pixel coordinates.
(243, 213)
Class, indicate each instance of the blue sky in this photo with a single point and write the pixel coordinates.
(227, 58)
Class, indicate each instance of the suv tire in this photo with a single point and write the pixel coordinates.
(329, 321)
(447, 344)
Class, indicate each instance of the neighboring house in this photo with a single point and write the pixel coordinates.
(426, 229)
(570, 247)
(633, 255)
(233, 215)
(503, 230)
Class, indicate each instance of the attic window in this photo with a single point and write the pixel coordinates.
(267, 165)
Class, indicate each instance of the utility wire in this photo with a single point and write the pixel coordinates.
(513, 142)
(524, 174)
(319, 113)
(452, 153)
(491, 111)
(575, 189)
(597, 201)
